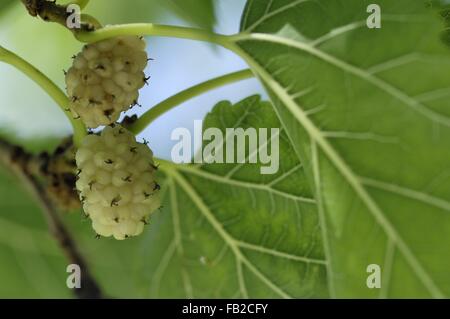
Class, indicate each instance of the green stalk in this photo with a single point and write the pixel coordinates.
(153, 30)
(148, 117)
(48, 86)
(150, 29)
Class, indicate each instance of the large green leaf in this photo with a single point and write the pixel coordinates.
(228, 231)
(367, 111)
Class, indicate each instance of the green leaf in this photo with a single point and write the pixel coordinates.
(5, 5)
(198, 12)
(228, 231)
(31, 264)
(444, 10)
(367, 111)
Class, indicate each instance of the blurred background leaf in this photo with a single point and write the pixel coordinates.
(5, 4)
(31, 263)
(199, 12)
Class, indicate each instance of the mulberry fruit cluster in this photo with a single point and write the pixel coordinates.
(116, 182)
(105, 78)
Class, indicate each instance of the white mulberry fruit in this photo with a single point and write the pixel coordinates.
(105, 78)
(116, 182)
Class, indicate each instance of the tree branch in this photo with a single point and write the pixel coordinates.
(18, 161)
(52, 12)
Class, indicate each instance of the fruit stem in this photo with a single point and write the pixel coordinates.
(153, 30)
(48, 86)
(148, 117)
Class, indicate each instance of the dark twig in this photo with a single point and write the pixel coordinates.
(52, 12)
(18, 161)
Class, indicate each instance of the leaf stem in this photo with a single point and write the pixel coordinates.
(48, 86)
(148, 117)
(153, 30)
